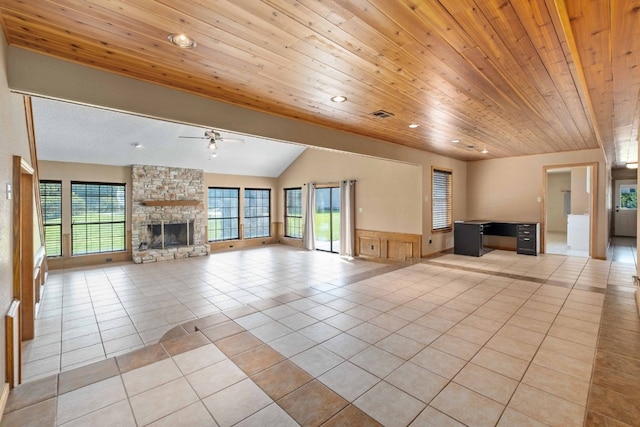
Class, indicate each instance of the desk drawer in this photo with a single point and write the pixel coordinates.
(527, 243)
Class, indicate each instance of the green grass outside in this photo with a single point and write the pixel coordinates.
(323, 229)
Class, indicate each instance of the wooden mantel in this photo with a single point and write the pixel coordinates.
(171, 202)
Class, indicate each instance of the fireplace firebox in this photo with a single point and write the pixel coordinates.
(167, 235)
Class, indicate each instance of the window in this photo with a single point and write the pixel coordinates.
(223, 208)
(293, 213)
(97, 218)
(257, 213)
(51, 202)
(441, 196)
(628, 196)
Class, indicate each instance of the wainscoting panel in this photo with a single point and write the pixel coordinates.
(385, 245)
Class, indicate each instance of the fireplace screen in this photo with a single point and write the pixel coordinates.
(162, 236)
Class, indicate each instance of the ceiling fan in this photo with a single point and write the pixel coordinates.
(214, 139)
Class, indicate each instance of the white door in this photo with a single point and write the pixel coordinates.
(626, 208)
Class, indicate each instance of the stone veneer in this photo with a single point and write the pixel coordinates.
(158, 184)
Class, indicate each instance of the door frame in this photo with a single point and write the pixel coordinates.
(593, 204)
(330, 187)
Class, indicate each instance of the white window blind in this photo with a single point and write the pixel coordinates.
(441, 200)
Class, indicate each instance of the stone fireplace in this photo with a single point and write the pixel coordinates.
(169, 216)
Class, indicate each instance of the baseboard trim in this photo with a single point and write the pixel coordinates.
(3, 398)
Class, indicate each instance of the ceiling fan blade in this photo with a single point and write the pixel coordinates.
(193, 137)
(223, 139)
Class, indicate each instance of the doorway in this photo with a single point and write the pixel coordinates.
(626, 208)
(569, 209)
(327, 219)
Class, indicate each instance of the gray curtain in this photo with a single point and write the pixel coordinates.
(309, 236)
(347, 218)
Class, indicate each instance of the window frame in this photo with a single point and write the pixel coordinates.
(287, 231)
(437, 211)
(248, 218)
(75, 224)
(236, 218)
(46, 225)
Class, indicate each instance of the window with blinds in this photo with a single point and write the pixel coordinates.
(224, 214)
(51, 203)
(257, 213)
(441, 200)
(97, 218)
(293, 213)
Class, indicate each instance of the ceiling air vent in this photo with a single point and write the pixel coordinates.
(382, 114)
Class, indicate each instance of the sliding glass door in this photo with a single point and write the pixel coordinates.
(327, 219)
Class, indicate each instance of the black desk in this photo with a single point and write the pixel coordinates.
(467, 236)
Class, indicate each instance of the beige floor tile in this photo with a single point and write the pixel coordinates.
(272, 415)
(564, 364)
(439, 362)
(520, 334)
(467, 406)
(460, 348)
(389, 322)
(41, 414)
(416, 381)
(369, 333)
(214, 378)
(271, 331)
(546, 407)
(90, 398)
(343, 321)
(557, 383)
(486, 382)
(501, 363)
(292, 344)
(512, 347)
(161, 401)
(81, 355)
(236, 403)
(345, 345)
(419, 333)
(378, 362)
(530, 324)
(470, 333)
(119, 414)
(349, 380)
(317, 360)
(150, 376)
(432, 417)
(389, 405)
(319, 332)
(193, 415)
(198, 358)
(400, 346)
(568, 348)
(511, 418)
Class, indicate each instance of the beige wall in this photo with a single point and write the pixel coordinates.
(579, 195)
(557, 185)
(508, 189)
(242, 182)
(13, 141)
(387, 192)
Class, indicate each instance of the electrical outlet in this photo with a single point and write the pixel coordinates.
(372, 247)
(430, 241)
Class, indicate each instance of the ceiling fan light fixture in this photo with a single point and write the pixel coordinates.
(633, 165)
(213, 146)
(338, 98)
(413, 125)
(183, 41)
(485, 151)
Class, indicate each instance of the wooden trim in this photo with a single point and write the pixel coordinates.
(12, 317)
(171, 202)
(387, 245)
(3, 398)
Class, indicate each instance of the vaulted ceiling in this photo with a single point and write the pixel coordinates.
(513, 77)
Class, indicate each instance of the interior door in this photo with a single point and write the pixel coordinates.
(327, 219)
(626, 208)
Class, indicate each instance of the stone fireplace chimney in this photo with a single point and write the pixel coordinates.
(166, 199)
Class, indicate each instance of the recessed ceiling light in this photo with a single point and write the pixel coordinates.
(137, 145)
(485, 151)
(632, 165)
(338, 98)
(455, 140)
(182, 41)
(413, 125)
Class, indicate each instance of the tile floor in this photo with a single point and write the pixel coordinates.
(304, 338)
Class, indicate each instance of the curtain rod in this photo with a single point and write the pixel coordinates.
(330, 183)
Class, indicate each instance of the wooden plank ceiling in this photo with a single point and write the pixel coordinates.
(515, 77)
